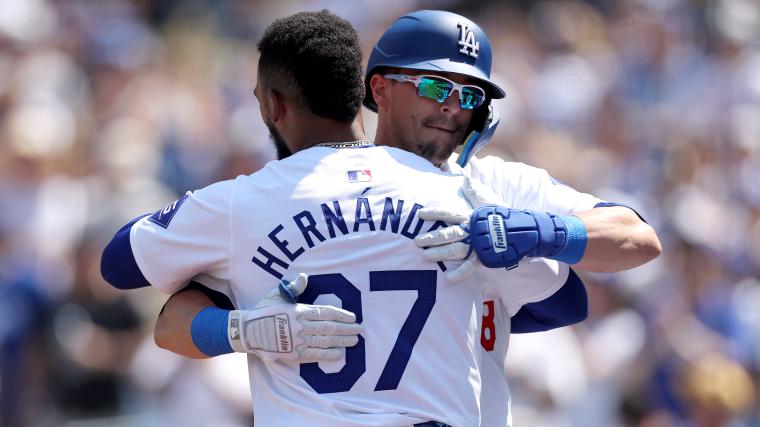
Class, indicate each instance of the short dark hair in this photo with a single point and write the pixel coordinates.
(317, 57)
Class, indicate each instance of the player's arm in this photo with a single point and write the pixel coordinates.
(602, 239)
(200, 323)
(605, 239)
(609, 237)
(170, 247)
(174, 324)
(616, 239)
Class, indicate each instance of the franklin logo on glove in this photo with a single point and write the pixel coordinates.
(283, 333)
(278, 327)
(498, 235)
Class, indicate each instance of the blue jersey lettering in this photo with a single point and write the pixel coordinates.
(335, 218)
(283, 244)
(310, 228)
(393, 215)
(358, 220)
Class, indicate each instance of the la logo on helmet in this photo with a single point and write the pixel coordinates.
(467, 41)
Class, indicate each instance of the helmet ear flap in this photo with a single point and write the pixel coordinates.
(480, 118)
(485, 120)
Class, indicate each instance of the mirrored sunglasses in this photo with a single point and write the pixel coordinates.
(439, 88)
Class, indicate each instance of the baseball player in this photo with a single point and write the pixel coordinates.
(428, 78)
(340, 208)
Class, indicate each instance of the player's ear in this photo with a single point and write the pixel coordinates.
(380, 86)
(277, 105)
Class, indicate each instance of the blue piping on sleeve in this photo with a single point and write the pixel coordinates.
(611, 204)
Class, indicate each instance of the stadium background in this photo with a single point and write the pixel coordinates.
(110, 109)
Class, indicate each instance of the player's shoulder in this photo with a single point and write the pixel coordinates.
(215, 189)
(278, 171)
(317, 156)
(492, 166)
(408, 160)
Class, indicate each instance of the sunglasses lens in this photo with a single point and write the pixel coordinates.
(435, 89)
(471, 98)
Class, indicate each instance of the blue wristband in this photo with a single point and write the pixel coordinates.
(209, 331)
(575, 243)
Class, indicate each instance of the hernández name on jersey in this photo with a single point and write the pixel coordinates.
(329, 216)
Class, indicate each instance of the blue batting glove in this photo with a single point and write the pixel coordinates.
(501, 237)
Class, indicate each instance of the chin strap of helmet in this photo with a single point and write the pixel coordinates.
(481, 135)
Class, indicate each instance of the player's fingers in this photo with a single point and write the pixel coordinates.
(322, 341)
(326, 327)
(310, 355)
(462, 271)
(449, 252)
(289, 291)
(455, 233)
(325, 312)
(299, 285)
(446, 215)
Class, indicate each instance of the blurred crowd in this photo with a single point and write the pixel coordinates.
(112, 109)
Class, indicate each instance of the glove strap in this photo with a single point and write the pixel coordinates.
(575, 242)
(468, 239)
(209, 331)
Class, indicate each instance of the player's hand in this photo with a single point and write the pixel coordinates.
(452, 243)
(489, 234)
(279, 329)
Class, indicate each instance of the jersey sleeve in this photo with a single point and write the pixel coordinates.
(186, 238)
(534, 279)
(527, 187)
(567, 306)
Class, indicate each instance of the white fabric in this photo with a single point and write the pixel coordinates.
(519, 186)
(525, 187)
(219, 230)
(445, 244)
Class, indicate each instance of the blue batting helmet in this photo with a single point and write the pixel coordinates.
(436, 40)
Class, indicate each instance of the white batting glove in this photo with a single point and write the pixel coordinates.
(445, 244)
(276, 329)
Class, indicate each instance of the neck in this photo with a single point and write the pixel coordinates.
(383, 137)
(317, 129)
(384, 134)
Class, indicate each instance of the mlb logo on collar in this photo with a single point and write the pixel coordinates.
(467, 41)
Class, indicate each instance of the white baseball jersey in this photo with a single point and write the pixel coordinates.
(347, 218)
(519, 186)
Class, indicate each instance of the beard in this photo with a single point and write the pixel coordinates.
(439, 149)
(279, 143)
